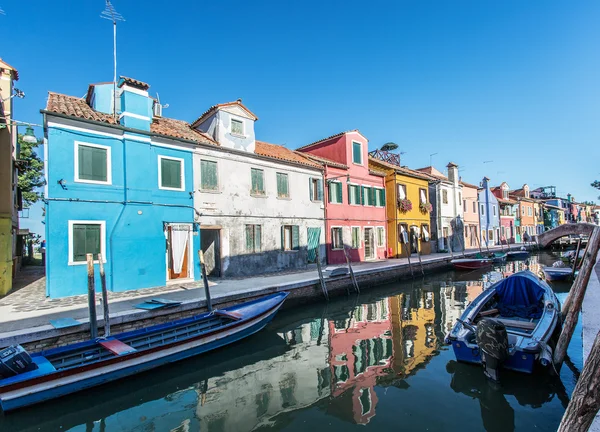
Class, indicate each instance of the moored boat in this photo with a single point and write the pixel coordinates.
(498, 257)
(509, 325)
(557, 272)
(519, 255)
(57, 372)
(476, 262)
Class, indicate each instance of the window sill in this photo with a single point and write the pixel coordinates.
(75, 263)
(359, 164)
(238, 135)
(284, 198)
(96, 182)
(258, 195)
(210, 191)
(171, 189)
(316, 201)
(335, 203)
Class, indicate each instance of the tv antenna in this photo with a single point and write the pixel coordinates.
(111, 14)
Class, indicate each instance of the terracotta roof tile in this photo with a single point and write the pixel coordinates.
(328, 138)
(280, 152)
(469, 185)
(133, 83)
(433, 172)
(179, 129)
(325, 161)
(403, 170)
(77, 107)
(377, 172)
(215, 107)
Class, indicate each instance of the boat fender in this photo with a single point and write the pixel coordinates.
(546, 356)
(492, 340)
(14, 360)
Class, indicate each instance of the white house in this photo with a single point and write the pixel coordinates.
(446, 194)
(260, 206)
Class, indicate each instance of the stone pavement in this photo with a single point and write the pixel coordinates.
(28, 310)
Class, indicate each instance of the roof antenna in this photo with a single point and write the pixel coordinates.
(111, 14)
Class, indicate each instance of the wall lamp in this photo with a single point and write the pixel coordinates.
(62, 183)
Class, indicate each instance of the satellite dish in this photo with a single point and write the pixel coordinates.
(389, 146)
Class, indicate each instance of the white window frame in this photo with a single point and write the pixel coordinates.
(359, 192)
(243, 134)
(377, 189)
(218, 190)
(341, 186)
(377, 237)
(108, 163)
(160, 158)
(102, 224)
(362, 186)
(362, 162)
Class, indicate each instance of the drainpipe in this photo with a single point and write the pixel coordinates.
(325, 201)
(112, 231)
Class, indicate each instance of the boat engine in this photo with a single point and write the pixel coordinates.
(492, 341)
(14, 360)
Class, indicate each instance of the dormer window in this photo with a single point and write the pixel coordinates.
(237, 127)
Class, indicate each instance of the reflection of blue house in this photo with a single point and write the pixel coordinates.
(120, 185)
(489, 214)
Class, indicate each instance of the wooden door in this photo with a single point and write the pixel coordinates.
(314, 240)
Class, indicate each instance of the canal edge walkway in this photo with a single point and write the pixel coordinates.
(32, 324)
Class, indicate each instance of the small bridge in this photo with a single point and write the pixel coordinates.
(546, 238)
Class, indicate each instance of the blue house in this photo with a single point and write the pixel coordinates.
(119, 183)
(489, 214)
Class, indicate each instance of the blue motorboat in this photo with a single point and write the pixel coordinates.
(519, 255)
(511, 325)
(29, 379)
(558, 272)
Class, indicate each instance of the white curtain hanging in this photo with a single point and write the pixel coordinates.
(425, 234)
(423, 197)
(179, 239)
(401, 194)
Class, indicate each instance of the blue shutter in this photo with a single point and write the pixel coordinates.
(319, 189)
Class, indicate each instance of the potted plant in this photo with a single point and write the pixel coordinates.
(405, 205)
(425, 207)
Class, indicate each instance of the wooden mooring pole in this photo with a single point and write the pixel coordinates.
(105, 310)
(576, 256)
(585, 400)
(92, 297)
(321, 279)
(571, 313)
(354, 282)
(205, 280)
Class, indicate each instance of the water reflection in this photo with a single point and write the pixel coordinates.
(355, 361)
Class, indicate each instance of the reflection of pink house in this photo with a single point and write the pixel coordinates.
(355, 212)
(507, 213)
(360, 352)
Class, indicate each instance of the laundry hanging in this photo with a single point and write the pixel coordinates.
(179, 239)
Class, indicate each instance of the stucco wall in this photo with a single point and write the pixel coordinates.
(489, 219)
(218, 125)
(232, 206)
(132, 206)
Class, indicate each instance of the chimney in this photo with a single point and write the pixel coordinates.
(453, 173)
(136, 104)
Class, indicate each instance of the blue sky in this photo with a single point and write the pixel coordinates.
(511, 82)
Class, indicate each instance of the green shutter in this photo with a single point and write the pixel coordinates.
(93, 163)
(258, 186)
(295, 237)
(319, 189)
(257, 238)
(170, 173)
(382, 193)
(372, 198)
(339, 193)
(208, 174)
(249, 239)
(86, 239)
(350, 194)
(283, 237)
(282, 185)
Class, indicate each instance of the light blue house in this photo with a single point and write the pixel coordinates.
(119, 184)
(489, 214)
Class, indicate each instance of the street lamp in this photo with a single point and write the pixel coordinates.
(29, 136)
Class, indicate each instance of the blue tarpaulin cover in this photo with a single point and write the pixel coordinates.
(520, 295)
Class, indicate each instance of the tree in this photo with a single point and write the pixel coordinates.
(596, 184)
(31, 172)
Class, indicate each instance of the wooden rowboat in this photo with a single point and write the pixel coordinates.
(61, 371)
(471, 263)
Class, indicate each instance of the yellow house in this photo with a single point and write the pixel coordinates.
(407, 204)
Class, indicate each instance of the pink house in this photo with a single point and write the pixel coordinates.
(355, 211)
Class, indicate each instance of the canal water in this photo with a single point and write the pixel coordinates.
(375, 361)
